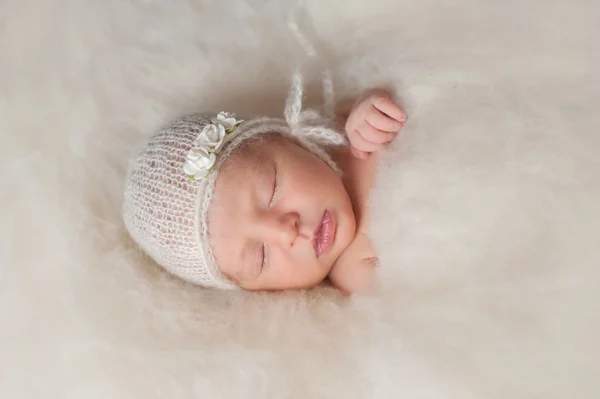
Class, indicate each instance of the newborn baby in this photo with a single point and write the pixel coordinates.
(262, 204)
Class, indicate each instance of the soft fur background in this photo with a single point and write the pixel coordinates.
(486, 213)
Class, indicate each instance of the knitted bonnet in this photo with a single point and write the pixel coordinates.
(171, 178)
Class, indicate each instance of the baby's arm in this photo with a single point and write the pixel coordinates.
(371, 124)
(354, 268)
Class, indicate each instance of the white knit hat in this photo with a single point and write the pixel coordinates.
(171, 178)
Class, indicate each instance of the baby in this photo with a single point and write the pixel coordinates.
(263, 203)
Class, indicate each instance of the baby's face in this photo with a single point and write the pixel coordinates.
(279, 218)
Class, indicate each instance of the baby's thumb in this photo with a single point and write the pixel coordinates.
(358, 153)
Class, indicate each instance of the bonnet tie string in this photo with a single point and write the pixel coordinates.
(309, 123)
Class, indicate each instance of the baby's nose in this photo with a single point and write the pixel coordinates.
(284, 229)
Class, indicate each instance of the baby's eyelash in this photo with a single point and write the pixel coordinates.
(265, 257)
(275, 188)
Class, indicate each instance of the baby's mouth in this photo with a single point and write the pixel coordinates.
(324, 234)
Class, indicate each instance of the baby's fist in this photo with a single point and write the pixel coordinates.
(373, 123)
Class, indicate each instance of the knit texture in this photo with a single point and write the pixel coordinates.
(160, 209)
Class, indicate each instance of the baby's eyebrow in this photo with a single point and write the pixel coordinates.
(258, 164)
(240, 272)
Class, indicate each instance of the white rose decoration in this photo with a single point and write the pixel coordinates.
(201, 158)
(211, 137)
(198, 162)
(227, 119)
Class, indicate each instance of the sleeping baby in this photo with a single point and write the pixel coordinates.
(262, 203)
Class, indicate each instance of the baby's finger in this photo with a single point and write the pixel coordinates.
(374, 135)
(381, 121)
(363, 144)
(388, 107)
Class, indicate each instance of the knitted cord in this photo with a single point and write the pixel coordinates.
(308, 124)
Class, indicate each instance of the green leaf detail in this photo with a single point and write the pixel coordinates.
(233, 128)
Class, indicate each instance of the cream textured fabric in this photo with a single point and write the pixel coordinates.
(485, 209)
(166, 213)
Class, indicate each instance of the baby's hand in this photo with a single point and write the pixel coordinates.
(373, 123)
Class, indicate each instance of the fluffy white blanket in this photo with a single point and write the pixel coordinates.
(486, 212)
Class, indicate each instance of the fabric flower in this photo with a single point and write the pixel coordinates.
(211, 137)
(198, 162)
(201, 158)
(227, 119)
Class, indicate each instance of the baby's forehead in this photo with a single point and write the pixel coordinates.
(258, 151)
(244, 161)
(240, 175)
